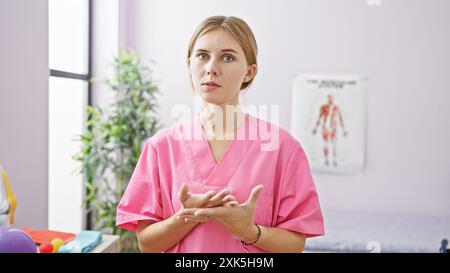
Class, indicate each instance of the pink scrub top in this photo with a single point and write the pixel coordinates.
(260, 153)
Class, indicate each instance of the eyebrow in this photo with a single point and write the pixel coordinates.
(223, 50)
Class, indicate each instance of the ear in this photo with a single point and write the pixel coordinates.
(251, 72)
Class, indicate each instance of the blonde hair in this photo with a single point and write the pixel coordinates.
(238, 28)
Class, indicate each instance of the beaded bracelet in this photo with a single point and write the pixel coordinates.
(257, 238)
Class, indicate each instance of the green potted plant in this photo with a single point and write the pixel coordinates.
(113, 142)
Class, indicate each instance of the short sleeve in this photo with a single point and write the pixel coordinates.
(142, 197)
(299, 208)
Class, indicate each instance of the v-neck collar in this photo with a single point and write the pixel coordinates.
(212, 172)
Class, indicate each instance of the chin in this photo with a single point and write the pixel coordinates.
(212, 98)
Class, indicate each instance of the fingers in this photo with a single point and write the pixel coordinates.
(205, 198)
(187, 212)
(221, 200)
(228, 199)
(208, 212)
(209, 199)
(188, 215)
(217, 199)
(183, 194)
(195, 219)
(255, 194)
(232, 204)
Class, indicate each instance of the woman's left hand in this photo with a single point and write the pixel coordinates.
(237, 219)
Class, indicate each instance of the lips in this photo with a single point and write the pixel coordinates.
(211, 83)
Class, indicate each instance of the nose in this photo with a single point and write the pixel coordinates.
(212, 68)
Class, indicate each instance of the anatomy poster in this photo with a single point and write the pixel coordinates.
(329, 120)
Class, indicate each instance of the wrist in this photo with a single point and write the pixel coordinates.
(252, 236)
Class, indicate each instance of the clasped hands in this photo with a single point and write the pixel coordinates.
(222, 207)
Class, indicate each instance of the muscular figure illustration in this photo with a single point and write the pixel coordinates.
(328, 115)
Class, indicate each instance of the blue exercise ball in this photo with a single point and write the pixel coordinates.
(14, 240)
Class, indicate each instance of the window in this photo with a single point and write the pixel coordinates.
(69, 95)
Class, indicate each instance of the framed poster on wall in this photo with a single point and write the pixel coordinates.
(329, 120)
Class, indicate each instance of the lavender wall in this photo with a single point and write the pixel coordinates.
(401, 45)
(24, 106)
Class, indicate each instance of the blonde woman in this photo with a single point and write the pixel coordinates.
(219, 189)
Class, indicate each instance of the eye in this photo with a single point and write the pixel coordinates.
(202, 56)
(228, 58)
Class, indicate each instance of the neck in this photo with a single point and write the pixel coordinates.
(221, 122)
